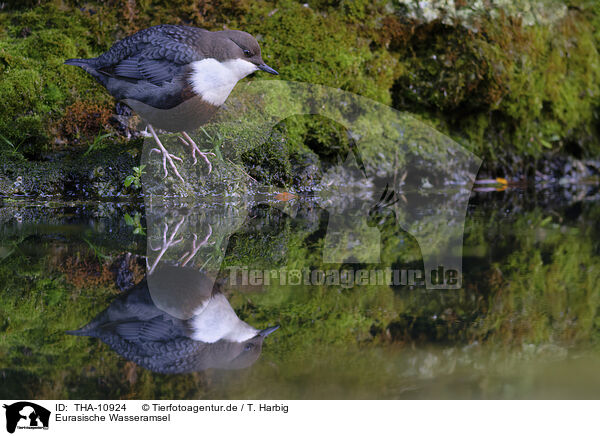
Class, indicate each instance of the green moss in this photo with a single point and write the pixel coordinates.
(328, 139)
(510, 81)
(36, 87)
(269, 162)
(505, 87)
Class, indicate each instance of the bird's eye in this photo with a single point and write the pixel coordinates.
(248, 347)
(247, 53)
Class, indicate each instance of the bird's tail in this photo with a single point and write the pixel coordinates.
(83, 63)
(80, 332)
(87, 330)
(89, 66)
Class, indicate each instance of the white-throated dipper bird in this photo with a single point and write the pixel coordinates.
(176, 77)
(210, 336)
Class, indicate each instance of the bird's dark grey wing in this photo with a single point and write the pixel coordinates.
(173, 43)
(155, 329)
(138, 68)
(157, 54)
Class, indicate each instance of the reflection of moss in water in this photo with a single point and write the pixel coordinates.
(38, 309)
(537, 301)
(546, 291)
(528, 297)
(37, 306)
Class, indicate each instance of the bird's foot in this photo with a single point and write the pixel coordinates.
(166, 243)
(195, 247)
(203, 156)
(190, 143)
(166, 156)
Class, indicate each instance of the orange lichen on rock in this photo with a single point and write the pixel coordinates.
(83, 120)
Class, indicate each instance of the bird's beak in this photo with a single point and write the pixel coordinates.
(266, 332)
(268, 69)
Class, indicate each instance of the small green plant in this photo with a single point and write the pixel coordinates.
(5, 140)
(97, 141)
(135, 222)
(97, 252)
(14, 149)
(135, 179)
(217, 140)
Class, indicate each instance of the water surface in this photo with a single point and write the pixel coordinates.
(524, 323)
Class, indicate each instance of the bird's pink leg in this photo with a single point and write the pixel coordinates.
(166, 244)
(190, 142)
(166, 156)
(195, 247)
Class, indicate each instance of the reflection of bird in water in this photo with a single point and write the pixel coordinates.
(176, 77)
(382, 210)
(212, 337)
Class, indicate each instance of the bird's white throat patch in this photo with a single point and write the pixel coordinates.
(217, 320)
(214, 80)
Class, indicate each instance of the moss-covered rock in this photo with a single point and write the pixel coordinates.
(510, 82)
(96, 174)
(36, 87)
(503, 86)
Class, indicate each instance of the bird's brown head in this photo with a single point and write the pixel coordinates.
(245, 47)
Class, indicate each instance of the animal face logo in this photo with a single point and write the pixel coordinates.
(26, 415)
